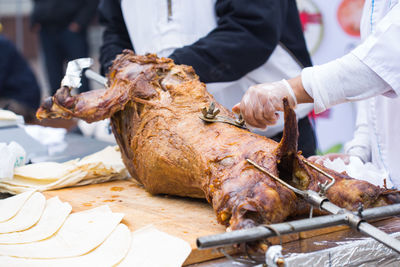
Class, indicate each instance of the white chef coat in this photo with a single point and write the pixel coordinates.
(153, 28)
(371, 70)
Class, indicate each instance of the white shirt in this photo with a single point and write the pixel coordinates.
(154, 27)
(372, 70)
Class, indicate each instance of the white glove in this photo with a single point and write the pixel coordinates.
(261, 102)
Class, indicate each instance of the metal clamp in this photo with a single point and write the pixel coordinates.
(270, 227)
(210, 114)
(323, 188)
(360, 210)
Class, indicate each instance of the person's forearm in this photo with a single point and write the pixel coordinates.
(342, 80)
(301, 95)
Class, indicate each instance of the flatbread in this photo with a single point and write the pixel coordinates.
(102, 166)
(5, 188)
(53, 217)
(109, 157)
(18, 184)
(45, 170)
(27, 216)
(10, 206)
(147, 242)
(109, 253)
(81, 233)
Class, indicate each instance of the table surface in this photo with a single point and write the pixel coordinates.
(79, 146)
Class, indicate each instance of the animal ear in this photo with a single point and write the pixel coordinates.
(288, 143)
(287, 148)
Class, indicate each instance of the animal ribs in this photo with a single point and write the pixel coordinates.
(154, 106)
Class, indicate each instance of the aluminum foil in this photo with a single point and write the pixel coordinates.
(366, 252)
(73, 73)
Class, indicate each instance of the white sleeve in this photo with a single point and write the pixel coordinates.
(342, 80)
(380, 51)
(360, 145)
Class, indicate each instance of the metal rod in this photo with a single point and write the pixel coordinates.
(261, 232)
(330, 207)
(96, 77)
(381, 212)
(294, 189)
(379, 235)
(326, 187)
(351, 219)
(357, 222)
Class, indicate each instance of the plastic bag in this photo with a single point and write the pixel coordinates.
(12, 155)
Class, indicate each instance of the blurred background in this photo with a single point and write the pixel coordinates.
(331, 29)
(15, 17)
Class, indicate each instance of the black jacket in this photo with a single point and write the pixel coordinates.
(246, 35)
(17, 81)
(56, 14)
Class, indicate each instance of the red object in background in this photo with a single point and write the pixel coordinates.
(323, 115)
(307, 18)
(349, 16)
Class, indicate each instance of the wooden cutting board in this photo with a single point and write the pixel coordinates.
(185, 218)
(182, 217)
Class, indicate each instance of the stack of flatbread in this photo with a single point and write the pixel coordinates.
(105, 165)
(39, 232)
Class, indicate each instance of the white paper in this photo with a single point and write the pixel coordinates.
(153, 248)
(358, 170)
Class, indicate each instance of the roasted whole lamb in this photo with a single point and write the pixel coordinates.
(154, 106)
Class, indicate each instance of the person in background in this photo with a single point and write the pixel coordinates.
(231, 44)
(371, 71)
(19, 90)
(63, 34)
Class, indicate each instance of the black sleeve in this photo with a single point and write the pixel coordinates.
(115, 36)
(86, 13)
(17, 80)
(246, 35)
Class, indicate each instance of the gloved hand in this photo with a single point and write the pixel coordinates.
(260, 103)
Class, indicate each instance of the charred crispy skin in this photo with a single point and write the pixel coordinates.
(154, 107)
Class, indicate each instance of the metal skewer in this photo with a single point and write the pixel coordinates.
(294, 189)
(340, 216)
(95, 77)
(351, 219)
(262, 232)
